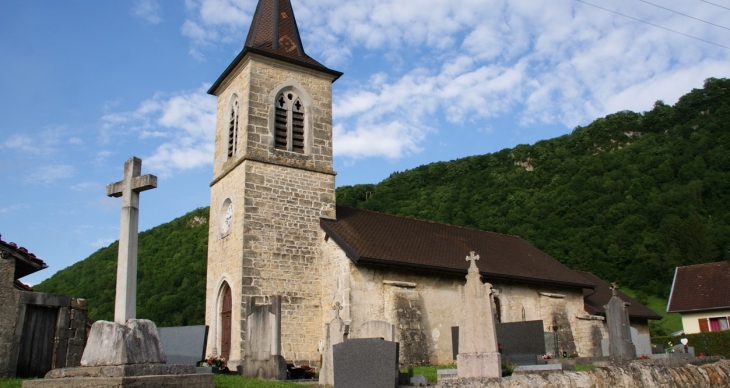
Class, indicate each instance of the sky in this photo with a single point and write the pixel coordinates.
(85, 85)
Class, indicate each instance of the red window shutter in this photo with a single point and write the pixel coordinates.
(704, 328)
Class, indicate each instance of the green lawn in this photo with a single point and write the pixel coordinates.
(10, 383)
(429, 372)
(671, 322)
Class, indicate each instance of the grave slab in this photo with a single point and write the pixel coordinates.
(365, 363)
(184, 344)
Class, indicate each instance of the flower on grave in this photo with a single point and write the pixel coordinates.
(670, 347)
(701, 355)
(643, 357)
(216, 362)
(547, 356)
(499, 347)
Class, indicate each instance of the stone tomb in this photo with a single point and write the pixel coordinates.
(263, 340)
(378, 329)
(184, 345)
(619, 329)
(521, 341)
(335, 331)
(365, 363)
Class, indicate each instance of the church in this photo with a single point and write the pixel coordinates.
(275, 230)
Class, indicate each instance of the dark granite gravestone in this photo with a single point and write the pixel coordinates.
(184, 344)
(366, 363)
(521, 341)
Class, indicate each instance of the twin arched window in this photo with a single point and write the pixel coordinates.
(289, 123)
(233, 131)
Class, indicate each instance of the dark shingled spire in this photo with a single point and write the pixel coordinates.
(274, 33)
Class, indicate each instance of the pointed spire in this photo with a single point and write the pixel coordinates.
(274, 33)
(274, 30)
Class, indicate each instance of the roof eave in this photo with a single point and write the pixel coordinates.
(372, 260)
(349, 251)
(251, 50)
(699, 309)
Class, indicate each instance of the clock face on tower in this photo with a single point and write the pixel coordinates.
(226, 217)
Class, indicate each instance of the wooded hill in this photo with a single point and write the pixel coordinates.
(628, 197)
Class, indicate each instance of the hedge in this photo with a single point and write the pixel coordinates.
(715, 343)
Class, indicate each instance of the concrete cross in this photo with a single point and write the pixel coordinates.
(473, 257)
(125, 304)
(614, 289)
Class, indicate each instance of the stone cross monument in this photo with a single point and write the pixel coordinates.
(125, 304)
(619, 328)
(478, 354)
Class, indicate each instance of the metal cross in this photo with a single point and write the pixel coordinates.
(125, 303)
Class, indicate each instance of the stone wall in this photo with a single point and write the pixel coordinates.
(628, 375)
(273, 247)
(8, 315)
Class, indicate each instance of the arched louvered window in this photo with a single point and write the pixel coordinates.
(233, 131)
(289, 123)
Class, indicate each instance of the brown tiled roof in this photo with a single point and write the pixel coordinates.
(22, 286)
(26, 263)
(377, 238)
(274, 33)
(594, 300)
(700, 287)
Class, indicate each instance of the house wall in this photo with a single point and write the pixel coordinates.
(690, 321)
(424, 306)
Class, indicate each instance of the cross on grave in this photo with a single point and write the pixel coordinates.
(337, 307)
(125, 303)
(473, 257)
(614, 289)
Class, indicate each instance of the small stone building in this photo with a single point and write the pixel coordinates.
(38, 332)
(275, 228)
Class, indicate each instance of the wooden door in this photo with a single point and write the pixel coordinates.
(226, 325)
(35, 356)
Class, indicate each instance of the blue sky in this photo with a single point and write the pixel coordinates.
(84, 85)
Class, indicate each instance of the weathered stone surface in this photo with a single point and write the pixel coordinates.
(201, 380)
(263, 338)
(478, 355)
(121, 371)
(619, 375)
(335, 335)
(183, 344)
(377, 329)
(619, 329)
(110, 343)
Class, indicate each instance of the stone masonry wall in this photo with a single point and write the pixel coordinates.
(281, 251)
(8, 314)
(628, 375)
(278, 197)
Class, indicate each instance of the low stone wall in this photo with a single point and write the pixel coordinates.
(633, 374)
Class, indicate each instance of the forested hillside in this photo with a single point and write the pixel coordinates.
(172, 260)
(628, 197)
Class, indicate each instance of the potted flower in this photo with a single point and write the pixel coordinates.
(217, 364)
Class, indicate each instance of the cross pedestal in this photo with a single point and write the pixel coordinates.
(125, 303)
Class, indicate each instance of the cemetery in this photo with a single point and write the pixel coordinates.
(301, 289)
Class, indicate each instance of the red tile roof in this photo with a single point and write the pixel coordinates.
(595, 300)
(700, 287)
(378, 238)
(274, 33)
(22, 286)
(26, 262)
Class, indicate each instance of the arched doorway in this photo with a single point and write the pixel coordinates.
(226, 308)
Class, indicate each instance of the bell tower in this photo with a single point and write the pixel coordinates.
(272, 182)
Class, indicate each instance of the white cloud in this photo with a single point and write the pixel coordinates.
(46, 175)
(88, 187)
(185, 121)
(102, 242)
(147, 10)
(542, 61)
(13, 208)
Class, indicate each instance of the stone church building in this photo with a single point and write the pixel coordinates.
(275, 229)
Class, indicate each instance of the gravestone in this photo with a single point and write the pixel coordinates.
(128, 351)
(377, 329)
(478, 355)
(365, 363)
(642, 342)
(184, 344)
(619, 332)
(263, 340)
(521, 342)
(335, 332)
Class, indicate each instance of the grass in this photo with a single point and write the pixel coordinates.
(11, 383)
(671, 322)
(583, 368)
(429, 372)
